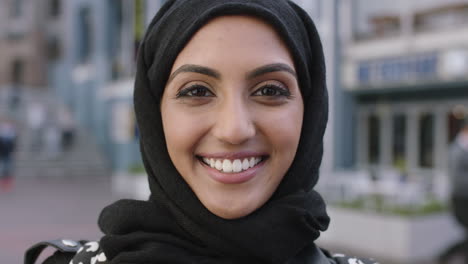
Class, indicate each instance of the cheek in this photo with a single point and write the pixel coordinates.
(182, 131)
(283, 128)
(284, 134)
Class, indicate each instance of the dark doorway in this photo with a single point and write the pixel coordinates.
(17, 72)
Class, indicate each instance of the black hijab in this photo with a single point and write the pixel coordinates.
(173, 226)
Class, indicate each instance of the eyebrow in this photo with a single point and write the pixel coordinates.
(197, 69)
(274, 67)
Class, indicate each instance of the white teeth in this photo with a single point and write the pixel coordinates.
(218, 165)
(245, 164)
(227, 166)
(232, 166)
(236, 166)
(252, 162)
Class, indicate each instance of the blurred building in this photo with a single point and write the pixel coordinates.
(338, 149)
(94, 72)
(405, 63)
(27, 40)
(85, 51)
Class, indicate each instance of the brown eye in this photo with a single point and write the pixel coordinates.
(269, 91)
(195, 91)
(272, 90)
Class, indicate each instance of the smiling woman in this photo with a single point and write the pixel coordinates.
(231, 105)
(220, 110)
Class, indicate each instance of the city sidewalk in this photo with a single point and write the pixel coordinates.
(48, 208)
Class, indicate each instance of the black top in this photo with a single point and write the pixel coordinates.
(89, 253)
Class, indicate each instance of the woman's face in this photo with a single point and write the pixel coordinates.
(232, 114)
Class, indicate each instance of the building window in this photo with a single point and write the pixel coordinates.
(84, 35)
(376, 19)
(364, 73)
(17, 72)
(426, 140)
(16, 8)
(399, 146)
(374, 139)
(53, 48)
(54, 8)
(445, 16)
(114, 37)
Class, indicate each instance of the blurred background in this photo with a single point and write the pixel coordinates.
(398, 88)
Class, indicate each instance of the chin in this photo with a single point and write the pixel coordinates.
(230, 212)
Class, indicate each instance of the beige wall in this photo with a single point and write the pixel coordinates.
(29, 48)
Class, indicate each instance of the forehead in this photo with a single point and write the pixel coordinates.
(235, 39)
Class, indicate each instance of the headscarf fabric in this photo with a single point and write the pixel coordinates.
(173, 226)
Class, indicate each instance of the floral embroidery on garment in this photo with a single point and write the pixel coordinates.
(90, 253)
(343, 259)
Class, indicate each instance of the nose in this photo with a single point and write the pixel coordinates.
(234, 123)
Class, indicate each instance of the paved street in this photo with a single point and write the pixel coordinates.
(49, 208)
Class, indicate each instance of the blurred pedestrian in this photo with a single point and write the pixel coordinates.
(36, 117)
(459, 176)
(67, 127)
(51, 138)
(8, 136)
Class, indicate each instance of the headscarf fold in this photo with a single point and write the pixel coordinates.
(173, 226)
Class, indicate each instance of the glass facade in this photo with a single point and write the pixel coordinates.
(374, 139)
(426, 140)
(399, 141)
(85, 34)
(418, 138)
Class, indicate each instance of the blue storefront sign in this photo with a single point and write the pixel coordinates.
(398, 69)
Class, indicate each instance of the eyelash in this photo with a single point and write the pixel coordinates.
(278, 90)
(185, 92)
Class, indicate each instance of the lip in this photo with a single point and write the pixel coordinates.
(232, 155)
(233, 178)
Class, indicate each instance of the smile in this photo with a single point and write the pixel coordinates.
(232, 166)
